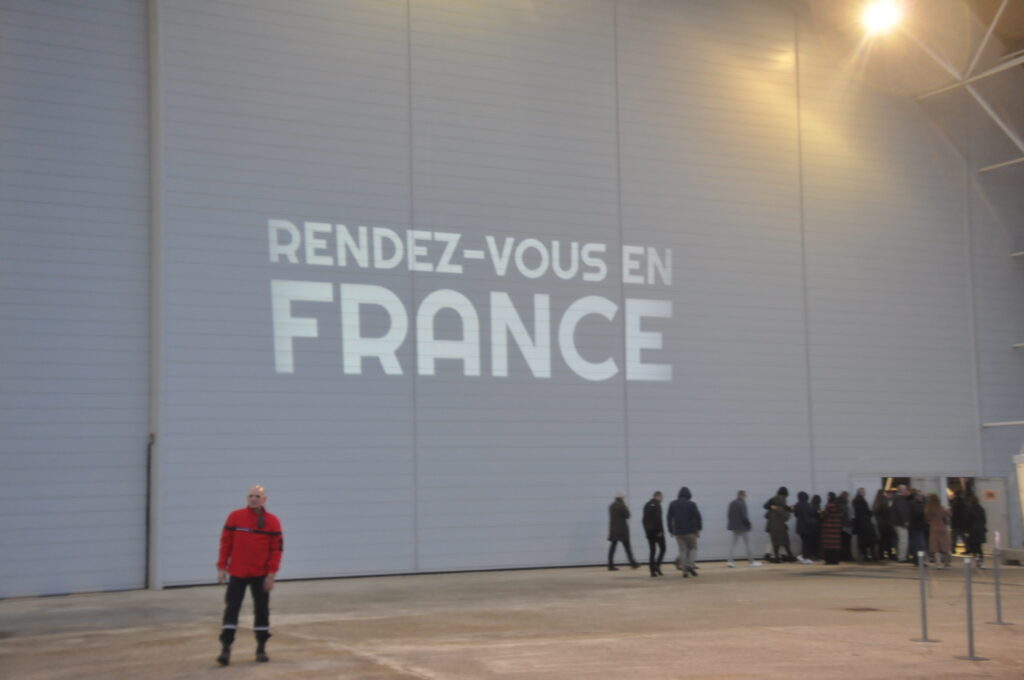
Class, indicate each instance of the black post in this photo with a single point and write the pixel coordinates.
(924, 600)
(968, 565)
(996, 557)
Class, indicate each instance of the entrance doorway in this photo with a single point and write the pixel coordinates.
(990, 492)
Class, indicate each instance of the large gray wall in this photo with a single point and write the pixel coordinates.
(829, 291)
(74, 300)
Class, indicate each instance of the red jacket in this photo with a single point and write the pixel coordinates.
(248, 550)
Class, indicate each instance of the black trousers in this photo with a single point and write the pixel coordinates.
(611, 552)
(809, 545)
(656, 542)
(233, 603)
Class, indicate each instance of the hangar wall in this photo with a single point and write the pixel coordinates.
(774, 280)
(74, 295)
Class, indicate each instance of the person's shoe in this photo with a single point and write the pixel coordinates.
(635, 565)
(692, 571)
(686, 574)
(261, 656)
(730, 564)
(755, 563)
(613, 568)
(654, 574)
(225, 655)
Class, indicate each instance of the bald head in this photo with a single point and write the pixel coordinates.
(257, 497)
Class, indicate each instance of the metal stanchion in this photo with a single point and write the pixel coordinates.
(968, 563)
(999, 604)
(924, 601)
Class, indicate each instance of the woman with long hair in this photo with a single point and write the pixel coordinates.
(937, 518)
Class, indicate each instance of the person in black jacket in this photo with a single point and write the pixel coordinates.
(899, 519)
(618, 531)
(654, 528)
(976, 529)
(886, 534)
(864, 527)
(806, 528)
(684, 522)
(958, 526)
(917, 527)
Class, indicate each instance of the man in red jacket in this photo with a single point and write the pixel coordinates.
(250, 553)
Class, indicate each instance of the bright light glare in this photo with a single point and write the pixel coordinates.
(881, 16)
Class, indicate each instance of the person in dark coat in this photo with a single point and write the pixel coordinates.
(899, 518)
(685, 524)
(739, 524)
(917, 527)
(806, 528)
(816, 507)
(618, 531)
(886, 534)
(846, 515)
(654, 529)
(864, 528)
(976, 529)
(831, 530)
(958, 526)
(778, 514)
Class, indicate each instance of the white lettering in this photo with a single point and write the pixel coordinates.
(526, 271)
(429, 348)
(315, 243)
(585, 306)
(355, 346)
(630, 265)
(450, 240)
(505, 320)
(414, 236)
(277, 248)
(662, 267)
(380, 261)
(288, 327)
(346, 244)
(500, 260)
(638, 340)
(574, 260)
(592, 261)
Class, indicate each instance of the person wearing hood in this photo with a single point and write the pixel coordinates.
(618, 531)
(685, 524)
(806, 528)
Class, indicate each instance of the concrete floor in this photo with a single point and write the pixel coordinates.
(778, 621)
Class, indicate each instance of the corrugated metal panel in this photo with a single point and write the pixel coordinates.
(74, 281)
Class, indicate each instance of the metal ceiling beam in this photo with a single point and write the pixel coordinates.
(1004, 164)
(996, 118)
(961, 82)
(984, 41)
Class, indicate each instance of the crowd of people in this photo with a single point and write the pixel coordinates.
(896, 525)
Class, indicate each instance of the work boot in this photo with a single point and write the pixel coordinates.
(227, 636)
(261, 647)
